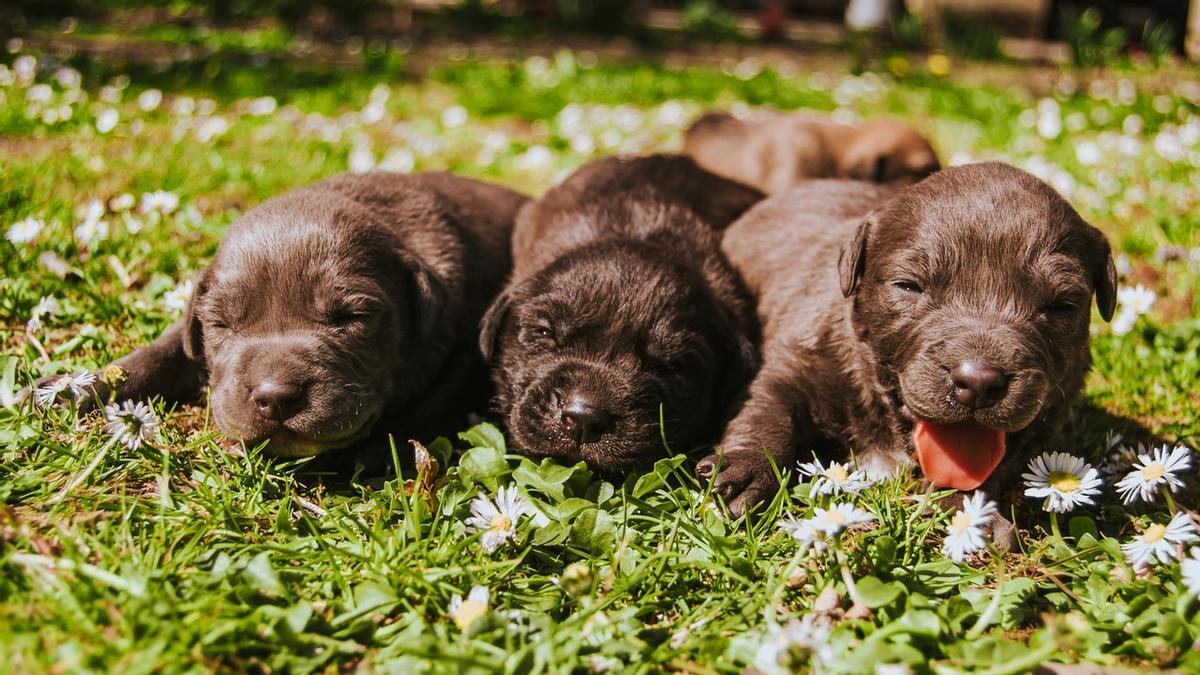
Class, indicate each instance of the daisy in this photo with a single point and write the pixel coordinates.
(25, 231)
(47, 306)
(498, 520)
(159, 201)
(1065, 481)
(1160, 541)
(92, 231)
(838, 517)
(1191, 571)
(786, 648)
(122, 202)
(836, 479)
(1153, 470)
(465, 612)
(48, 393)
(804, 532)
(176, 299)
(1137, 299)
(964, 534)
(131, 424)
(81, 383)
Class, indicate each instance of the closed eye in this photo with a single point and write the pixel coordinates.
(1059, 307)
(908, 286)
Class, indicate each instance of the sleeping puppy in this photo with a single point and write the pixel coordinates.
(622, 308)
(948, 320)
(778, 152)
(338, 310)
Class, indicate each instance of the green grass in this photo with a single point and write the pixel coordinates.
(182, 556)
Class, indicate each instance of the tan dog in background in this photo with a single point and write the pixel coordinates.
(775, 153)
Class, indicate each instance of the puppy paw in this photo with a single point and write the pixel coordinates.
(743, 479)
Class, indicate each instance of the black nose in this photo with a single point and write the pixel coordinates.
(978, 385)
(275, 400)
(584, 420)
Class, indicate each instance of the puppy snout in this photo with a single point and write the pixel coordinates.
(978, 385)
(277, 400)
(584, 420)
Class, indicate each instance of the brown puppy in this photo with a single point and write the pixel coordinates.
(778, 152)
(950, 319)
(339, 309)
(622, 309)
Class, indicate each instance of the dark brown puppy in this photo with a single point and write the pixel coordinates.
(620, 303)
(778, 152)
(341, 308)
(951, 320)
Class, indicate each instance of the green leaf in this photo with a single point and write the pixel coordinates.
(875, 593)
(485, 436)
(262, 575)
(484, 465)
(549, 477)
(1081, 525)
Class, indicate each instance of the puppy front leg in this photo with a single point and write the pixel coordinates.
(161, 368)
(762, 433)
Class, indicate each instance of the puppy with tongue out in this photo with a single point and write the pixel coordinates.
(945, 323)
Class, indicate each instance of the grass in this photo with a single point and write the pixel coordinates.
(182, 556)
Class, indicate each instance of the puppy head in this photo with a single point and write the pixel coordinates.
(973, 291)
(589, 350)
(307, 320)
(885, 150)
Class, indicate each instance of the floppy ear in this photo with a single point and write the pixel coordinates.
(1104, 274)
(193, 335)
(492, 322)
(428, 296)
(852, 260)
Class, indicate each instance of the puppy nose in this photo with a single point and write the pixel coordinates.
(584, 420)
(275, 400)
(978, 385)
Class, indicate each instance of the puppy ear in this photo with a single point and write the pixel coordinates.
(1104, 274)
(492, 322)
(852, 260)
(193, 335)
(428, 296)
(870, 168)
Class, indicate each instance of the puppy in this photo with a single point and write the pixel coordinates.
(778, 152)
(338, 310)
(949, 319)
(623, 326)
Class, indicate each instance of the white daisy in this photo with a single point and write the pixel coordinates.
(837, 478)
(25, 231)
(1063, 480)
(92, 230)
(48, 393)
(787, 648)
(107, 120)
(1191, 571)
(964, 534)
(159, 201)
(176, 299)
(122, 202)
(1123, 322)
(131, 424)
(464, 612)
(803, 531)
(81, 383)
(1137, 299)
(1154, 469)
(47, 306)
(498, 520)
(1160, 541)
(838, 517)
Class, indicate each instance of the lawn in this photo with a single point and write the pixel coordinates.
(116, 182)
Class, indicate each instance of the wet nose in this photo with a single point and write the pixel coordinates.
(978, 385)
(275, 400)
(584, 420)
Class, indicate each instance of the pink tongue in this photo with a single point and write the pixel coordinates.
(959, 456)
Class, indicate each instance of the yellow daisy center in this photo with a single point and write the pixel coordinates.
(467, 612)
(1154, 533)
(835, 518)
(1064, 481)
(960, 522)
(837, 473)
(1153, 472)
(501, 523)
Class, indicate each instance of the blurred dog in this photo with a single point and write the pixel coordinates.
(777, 152)
(338, 310)
(949, 319)
(622, 309)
